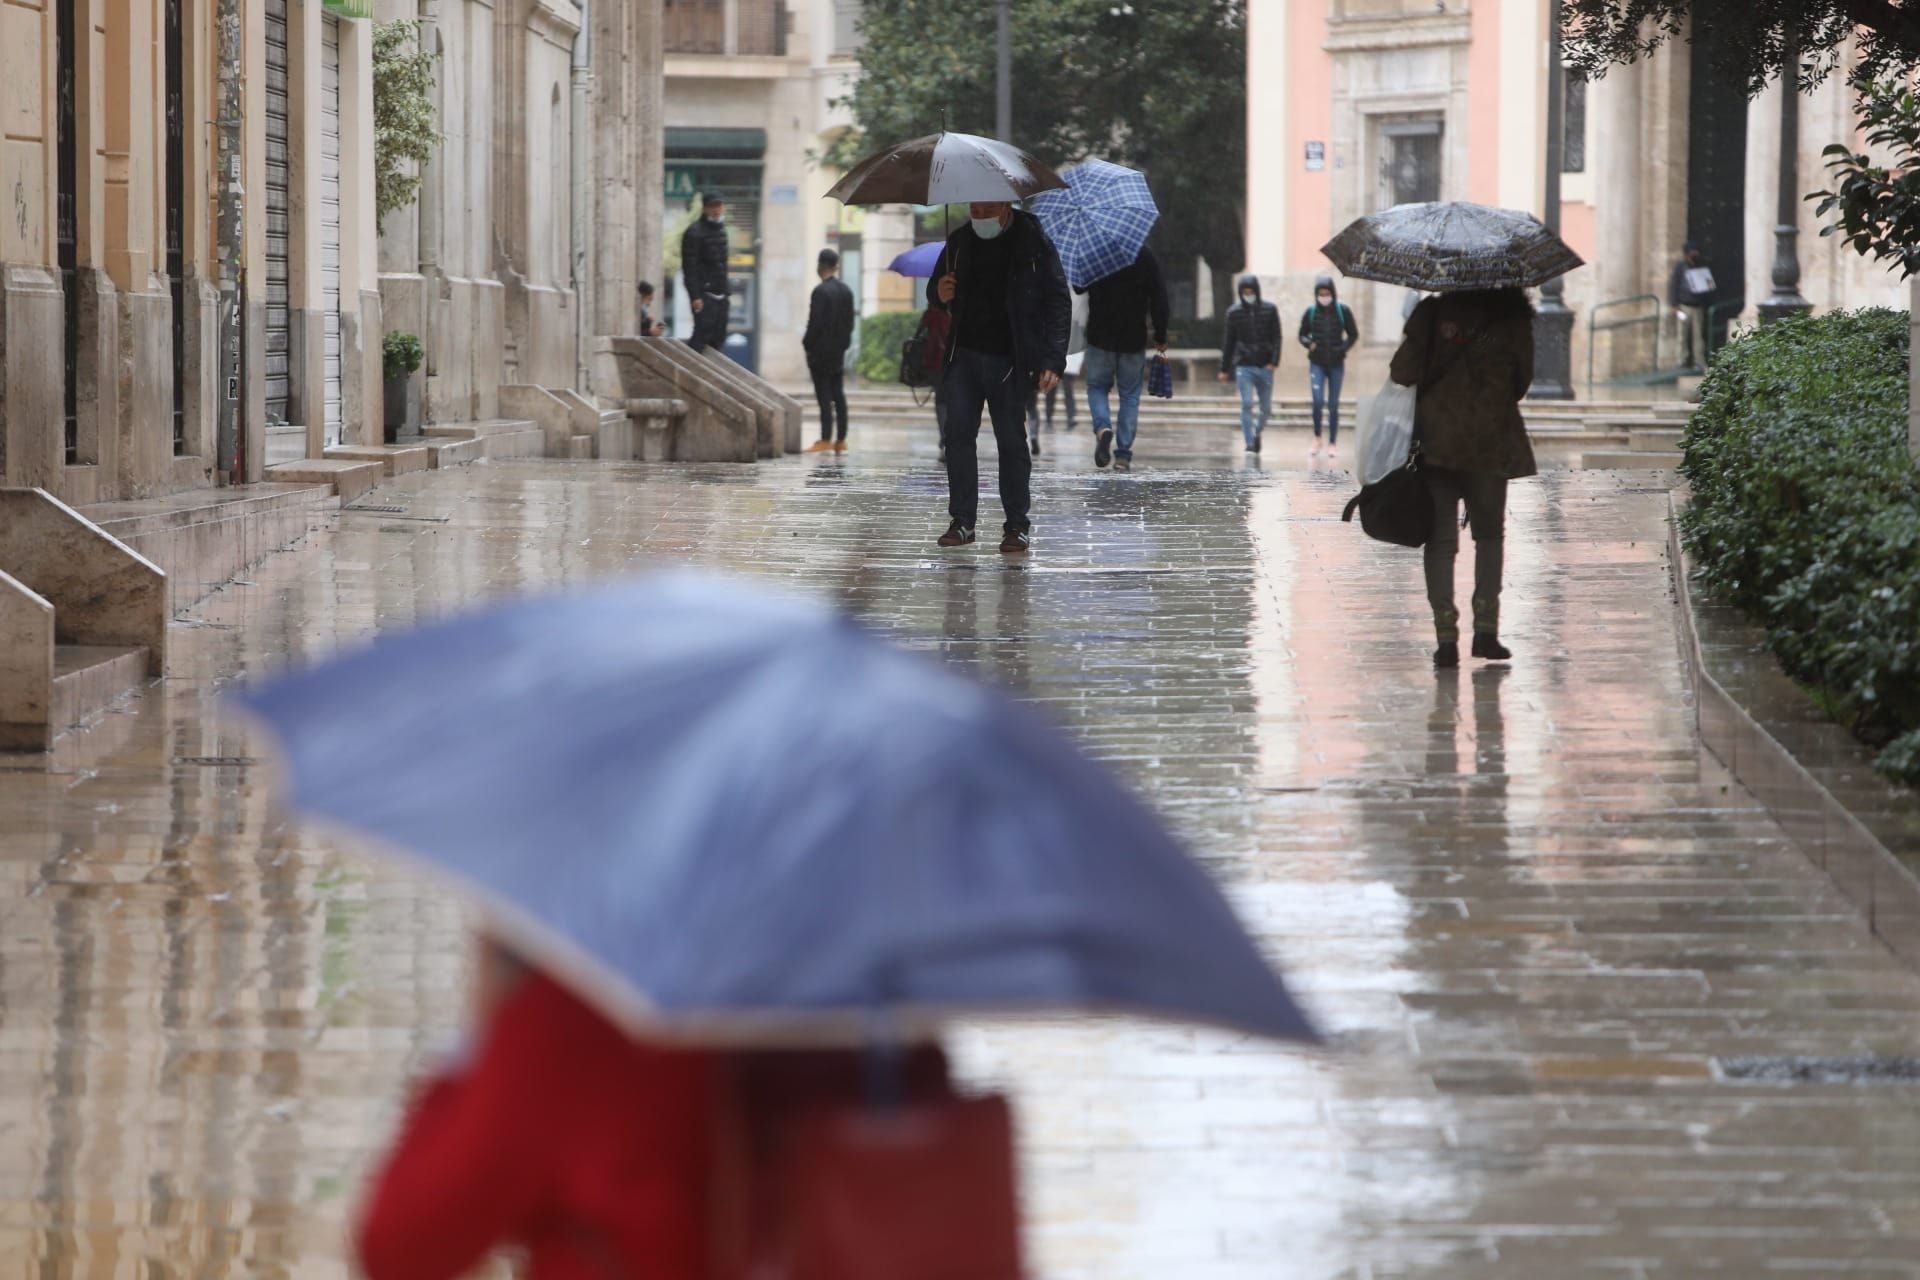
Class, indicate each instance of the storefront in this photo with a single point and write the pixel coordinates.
(730, 162)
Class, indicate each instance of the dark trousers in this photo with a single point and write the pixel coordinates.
(830, 389)
(710, 324)
(977, 382)
(1486, 500)
(1065, 392)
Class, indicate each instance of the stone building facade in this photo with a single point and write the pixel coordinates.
(524, 243)
(1356, 105)
(109, 310)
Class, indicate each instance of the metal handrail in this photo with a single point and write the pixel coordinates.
(1595, 327)
(1732, 307)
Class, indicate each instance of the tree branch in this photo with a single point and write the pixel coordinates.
(1897, 25)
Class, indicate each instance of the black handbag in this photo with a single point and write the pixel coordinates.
(1397, 507)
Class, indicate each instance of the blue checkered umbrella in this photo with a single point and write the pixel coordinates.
(1100, 222)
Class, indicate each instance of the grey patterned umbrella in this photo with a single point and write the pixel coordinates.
(1450, 246)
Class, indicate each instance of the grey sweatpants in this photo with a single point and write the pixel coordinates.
(1486, 499)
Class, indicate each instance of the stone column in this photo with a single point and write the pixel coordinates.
(1553, 325)
(628, 76)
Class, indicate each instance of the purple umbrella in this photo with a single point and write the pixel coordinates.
(918, 261)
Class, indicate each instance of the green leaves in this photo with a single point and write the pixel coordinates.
(1160, 87)
(405, 131)
(1875, 205)
(1806, 513)
(400, 353)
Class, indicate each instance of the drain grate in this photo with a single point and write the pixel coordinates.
(376, 508)
(217, 762)
(1866, 1069)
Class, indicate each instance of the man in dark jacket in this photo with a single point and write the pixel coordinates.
(829, 334)
(1120, 310)
(1691, 292)
(703, 264)
(999, 278)
(1328, 332)
(1250, 354)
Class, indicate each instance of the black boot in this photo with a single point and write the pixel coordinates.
(1487, 646)
(1447, 655)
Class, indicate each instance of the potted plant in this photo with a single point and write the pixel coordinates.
(402, 354)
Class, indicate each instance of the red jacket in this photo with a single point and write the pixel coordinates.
(562, 1137)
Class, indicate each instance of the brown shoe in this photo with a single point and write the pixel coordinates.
(957, 535)
(820, 446)
(1016, 541)
(839, 446)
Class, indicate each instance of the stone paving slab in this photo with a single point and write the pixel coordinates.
(1532, 919)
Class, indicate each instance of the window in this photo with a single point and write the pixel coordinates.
(1573, 154)
(1410, 162)
(846, 28)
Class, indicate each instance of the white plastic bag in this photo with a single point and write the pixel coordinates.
(1077, 336)
(1386, 431)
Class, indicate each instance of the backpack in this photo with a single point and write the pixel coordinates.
(923, 357)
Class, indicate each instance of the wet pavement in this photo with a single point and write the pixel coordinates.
(1533, 922)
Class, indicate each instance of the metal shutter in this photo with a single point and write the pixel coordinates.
(330, 219)
(279, 294)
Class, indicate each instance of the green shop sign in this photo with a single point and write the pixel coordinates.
(350, 8)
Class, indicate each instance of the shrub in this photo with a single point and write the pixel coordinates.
(1806, 513)
(401, 353)
(405, 131)
(881, 337)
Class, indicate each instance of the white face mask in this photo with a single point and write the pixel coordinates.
(717, 219)
(986, 228)
(1247, 296)
(1325, 299)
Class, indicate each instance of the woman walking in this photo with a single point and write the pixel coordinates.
(1471, 355)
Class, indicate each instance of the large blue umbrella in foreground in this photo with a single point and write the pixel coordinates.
(728, 816)
(1100, 222)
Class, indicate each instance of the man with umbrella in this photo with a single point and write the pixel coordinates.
(1000, 279)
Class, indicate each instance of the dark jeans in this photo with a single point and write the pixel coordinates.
(710, 324)
(1486, 499)
(977, 382)
(830, 389)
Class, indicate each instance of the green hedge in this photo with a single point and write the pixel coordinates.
(1806, 513)
(881, 337)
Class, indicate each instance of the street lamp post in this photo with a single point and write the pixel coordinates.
(1787, 299)
(1003, 75)
(1553, 321)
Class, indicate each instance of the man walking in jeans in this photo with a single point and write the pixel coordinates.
(1000, 279)
(1120, 309)
(1328, 332)
(1250, 355)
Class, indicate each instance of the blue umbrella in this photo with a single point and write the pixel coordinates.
(917, 261)
(728, 816)
(1100, 222)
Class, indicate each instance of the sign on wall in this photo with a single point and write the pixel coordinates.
(1316, 156)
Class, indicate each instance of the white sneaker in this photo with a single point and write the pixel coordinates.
(1313, 450)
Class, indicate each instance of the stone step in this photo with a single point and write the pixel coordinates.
(1656, 439)
(88, 677)
(580, 447)
(349, 477)
(455, 451)
(1614, 460)
(397, 459)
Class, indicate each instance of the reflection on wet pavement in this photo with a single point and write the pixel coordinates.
(1530, 917)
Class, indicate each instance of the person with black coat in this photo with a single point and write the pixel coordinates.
(703, 265)
(1328, 332)
(1000, 280)
(1249, 356)
(829, 334)
(1120, 310)
(1691, 292)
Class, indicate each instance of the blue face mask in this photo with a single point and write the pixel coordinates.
(986, 228)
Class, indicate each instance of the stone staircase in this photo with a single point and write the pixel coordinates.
(451, 444)
(83, 619)
(1648, 448)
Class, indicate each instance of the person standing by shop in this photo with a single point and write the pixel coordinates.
(1691, 292)
(1249, 356)
(999, 277)
(1122, 311)
(1328, 332)
(829, 334)
(703, 265)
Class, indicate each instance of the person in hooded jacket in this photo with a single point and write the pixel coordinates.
(1000, 279)
(1250, 354)
(1471, 356)
(1328, 332)
(703, 264)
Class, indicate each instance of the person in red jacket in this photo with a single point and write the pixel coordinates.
(560, 1136)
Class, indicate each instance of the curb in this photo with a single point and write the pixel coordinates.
(1857, 853)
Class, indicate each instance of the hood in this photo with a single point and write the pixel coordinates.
(1245, 283)
(1325, 282)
